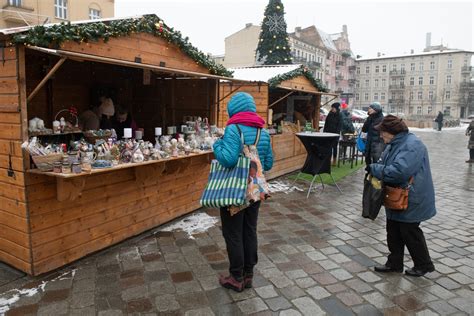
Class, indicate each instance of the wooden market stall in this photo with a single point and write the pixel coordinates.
(277, 89)
(48, 219)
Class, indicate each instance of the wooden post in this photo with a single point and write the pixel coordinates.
(317, 107)
(46, 78)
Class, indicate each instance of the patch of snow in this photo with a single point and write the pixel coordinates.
(281, 186)
(193, 224)
(7, 299)
(462, 127)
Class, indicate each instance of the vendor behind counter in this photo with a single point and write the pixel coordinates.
(121, 120)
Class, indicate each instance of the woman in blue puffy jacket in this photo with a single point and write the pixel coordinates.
(240, 230)
(406, 156)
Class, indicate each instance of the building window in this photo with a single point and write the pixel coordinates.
(384, 68)
(411, 95)
(402, 82)
(448, 79)
(448, 95)
(420, 81)
(412, 81)
(393, 96)
(430, 95)
(367, 69)
(402, 67)
(394, 81)
(94, 14)
(60, 9)
(421, 66)
(400, 109)
(412, 66)
(420, 95)
(432, 65)
(447, 111)
(377, 69)
(431, 80)
(383, 82)
(450, 64)
(430, 109)
(357, 97)
(418, 110)
(376, 96)
(358, 70)
(382, 96)
(357, 85)
(14, 3)
(376, 82)
(366, 97)
(394, 67)
(410, 110)
(367, 83)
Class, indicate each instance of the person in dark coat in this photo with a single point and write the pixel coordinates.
(439, 119)
(405, 156)
(123, 119)
(470, 145)
(375, 145)
(347, 126)
(333, 124)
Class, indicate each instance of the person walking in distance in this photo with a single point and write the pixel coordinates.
(333, 124)
(439, 119)
(375, 145)
(405, 163)
(470, 145)
(240, 229)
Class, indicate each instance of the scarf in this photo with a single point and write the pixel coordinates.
(251, 119)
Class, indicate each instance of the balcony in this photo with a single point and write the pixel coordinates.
(339, 77)
(352, 81)
(466, 69)
(396, 100)
(397, 87)
(339, 63)
(352, 68)
(20, 16)
(395, 73)
(339, 91)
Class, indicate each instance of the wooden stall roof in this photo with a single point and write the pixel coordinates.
(289, 77)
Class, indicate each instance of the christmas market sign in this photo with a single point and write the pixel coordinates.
(55, 35)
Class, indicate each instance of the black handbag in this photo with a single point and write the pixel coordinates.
(372, 197)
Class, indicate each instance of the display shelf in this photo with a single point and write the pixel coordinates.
(31, 134)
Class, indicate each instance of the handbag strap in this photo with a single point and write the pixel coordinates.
(257, 137)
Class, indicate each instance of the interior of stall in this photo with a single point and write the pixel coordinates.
(150, 98)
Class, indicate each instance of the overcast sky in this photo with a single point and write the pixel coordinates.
(385, 26)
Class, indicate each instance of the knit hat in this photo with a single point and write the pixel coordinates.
(107, 107)
(392, 124)
(241, 102)
(376, 106)
(336, 105)
(344, 106)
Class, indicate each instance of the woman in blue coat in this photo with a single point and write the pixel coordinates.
(406, 156)
(240, 230)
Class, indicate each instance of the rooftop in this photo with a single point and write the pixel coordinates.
(433, 52)
(262, 73)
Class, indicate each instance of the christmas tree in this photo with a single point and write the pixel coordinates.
(273, 47)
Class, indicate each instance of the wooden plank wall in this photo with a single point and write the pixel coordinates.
(14, 238)
(288, 154)
(151, 49)
(300, 83)
(113, 207)
(258, 91)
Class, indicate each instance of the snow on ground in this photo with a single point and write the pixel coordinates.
(462, 127)
(10, 297)
(193, 224)
(283, 186)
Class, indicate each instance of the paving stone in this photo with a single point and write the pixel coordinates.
(359, 286)
(292, 292)
(139, 306)
(305, 282)
(205, 311)
(166, 303)
(281, 281)
(367, 310)
(289, 312)
(426, 312)
(307, 306)
(135, 293)
(82, 299)
(188, 287)
(341, 274)
(350, 298)
(369, 277)
(408, 302)
(318, 292)
(378, 300)
(463, 304)
(266, 291)
(192, 300)
(278, 303)
(58, 308)
(335, 307)
(253, 305)
(112, 312)
(442, 307)
(448, 283)
(439, 292)
(296, 274)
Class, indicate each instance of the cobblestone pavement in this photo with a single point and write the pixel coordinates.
(316, 257)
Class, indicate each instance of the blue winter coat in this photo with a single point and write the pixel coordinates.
(228, 149)
(403, 157)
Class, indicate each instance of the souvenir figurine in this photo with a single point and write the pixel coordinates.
(138, 156)
(174, 147)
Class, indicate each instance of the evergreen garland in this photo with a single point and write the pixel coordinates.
(55, 35)
(273, 45)
(301, 71)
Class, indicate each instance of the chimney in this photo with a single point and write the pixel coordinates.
(412, 51)
(344, 29)
(298, 31)
(248, 25)
(428, 40)
(378, 54)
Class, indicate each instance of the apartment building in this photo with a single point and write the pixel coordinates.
(16, 13)
(416, 84)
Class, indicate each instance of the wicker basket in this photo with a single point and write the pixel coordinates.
(45, 163)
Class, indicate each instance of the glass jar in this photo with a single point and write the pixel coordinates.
(76, 167)
(65, 168)
(57, 167)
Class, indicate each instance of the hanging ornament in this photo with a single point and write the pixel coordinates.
(278, 61)
(270, 51)
(278, 7)
(278, 47)
(276, 23)
(274, 36)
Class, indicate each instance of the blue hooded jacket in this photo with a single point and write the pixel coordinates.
(403, 157)
(228, 149)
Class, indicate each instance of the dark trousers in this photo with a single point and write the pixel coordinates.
(334, 149)
(240, 235)
(471, 154)
(440, 126)
(401, 234)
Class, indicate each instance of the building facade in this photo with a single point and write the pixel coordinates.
(17, 13)
(416, 84)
